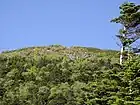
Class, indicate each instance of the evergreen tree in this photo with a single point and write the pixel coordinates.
(130, 19)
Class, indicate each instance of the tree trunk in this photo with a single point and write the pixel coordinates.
(121, 55)
(122, 50)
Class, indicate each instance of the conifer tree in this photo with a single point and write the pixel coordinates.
(130, 20)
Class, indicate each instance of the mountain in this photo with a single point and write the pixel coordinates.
(58, 75)
(65, 51)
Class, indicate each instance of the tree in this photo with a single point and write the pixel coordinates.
(130, 20)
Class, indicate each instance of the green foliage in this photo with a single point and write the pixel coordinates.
(129, 15)
(130, 20)
(57, 75)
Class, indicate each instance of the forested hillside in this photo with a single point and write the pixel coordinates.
(57, 75)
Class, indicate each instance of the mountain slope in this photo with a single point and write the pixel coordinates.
(61, 50)
(56, 75)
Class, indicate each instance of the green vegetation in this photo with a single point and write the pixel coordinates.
(56, 75)
(130, 20)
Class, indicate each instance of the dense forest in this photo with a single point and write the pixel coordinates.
(58, 75)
